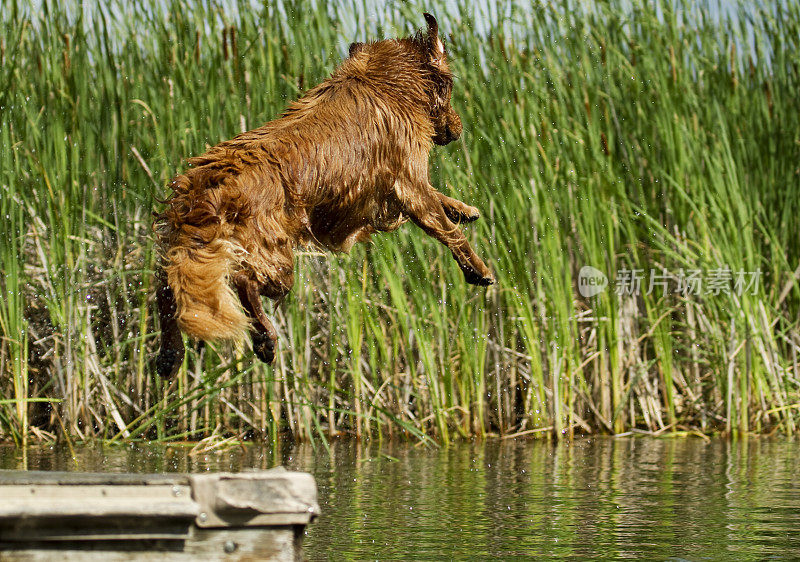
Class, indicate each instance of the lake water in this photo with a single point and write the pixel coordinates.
(641, 498)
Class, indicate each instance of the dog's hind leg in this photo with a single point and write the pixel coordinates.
(171, 354)
(262, 332)
(267, 271)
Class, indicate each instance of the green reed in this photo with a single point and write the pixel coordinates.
(621, 137)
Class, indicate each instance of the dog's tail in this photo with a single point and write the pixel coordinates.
(206, 306)
(199, 261)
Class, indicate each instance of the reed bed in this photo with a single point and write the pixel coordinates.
(626, 136)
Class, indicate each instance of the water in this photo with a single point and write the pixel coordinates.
(608, 498)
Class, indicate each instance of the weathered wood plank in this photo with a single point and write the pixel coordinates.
(246, 499)
(59, 500)
(280, 544)
(256, 515)
(24, 477)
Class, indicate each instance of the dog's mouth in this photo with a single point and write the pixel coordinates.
(445, 137)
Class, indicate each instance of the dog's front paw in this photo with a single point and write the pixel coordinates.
(263, 347)
(482, 279)
(463, 215)
(471, 214)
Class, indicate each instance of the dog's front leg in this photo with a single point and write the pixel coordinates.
(423, 206)
(171, 355)
(457, 211)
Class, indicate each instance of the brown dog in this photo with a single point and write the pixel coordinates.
(346, 160)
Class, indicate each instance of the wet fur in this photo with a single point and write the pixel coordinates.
(348, 159)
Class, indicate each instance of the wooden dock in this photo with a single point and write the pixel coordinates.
(258, 515)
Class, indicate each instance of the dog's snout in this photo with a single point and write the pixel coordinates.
(454, 127)
(451, 134)
(450, 130)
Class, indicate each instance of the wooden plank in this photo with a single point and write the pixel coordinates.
(255, 498)
(62, 531)
(281, 544)
(59, 500)
(25, 477)
(258, 515)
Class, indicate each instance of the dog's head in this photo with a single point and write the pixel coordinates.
(429, 52)
(446, 122)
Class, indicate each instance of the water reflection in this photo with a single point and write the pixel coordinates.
(606, 498)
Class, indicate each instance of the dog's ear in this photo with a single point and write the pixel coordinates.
(435, 43)
(433, 25)
(355, 48)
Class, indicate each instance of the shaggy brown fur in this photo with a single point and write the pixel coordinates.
(348, 159)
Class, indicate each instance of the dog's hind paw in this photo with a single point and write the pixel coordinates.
(264, 347)
(168, 362)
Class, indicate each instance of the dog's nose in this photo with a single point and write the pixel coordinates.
(451, 135)
(446, 137)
